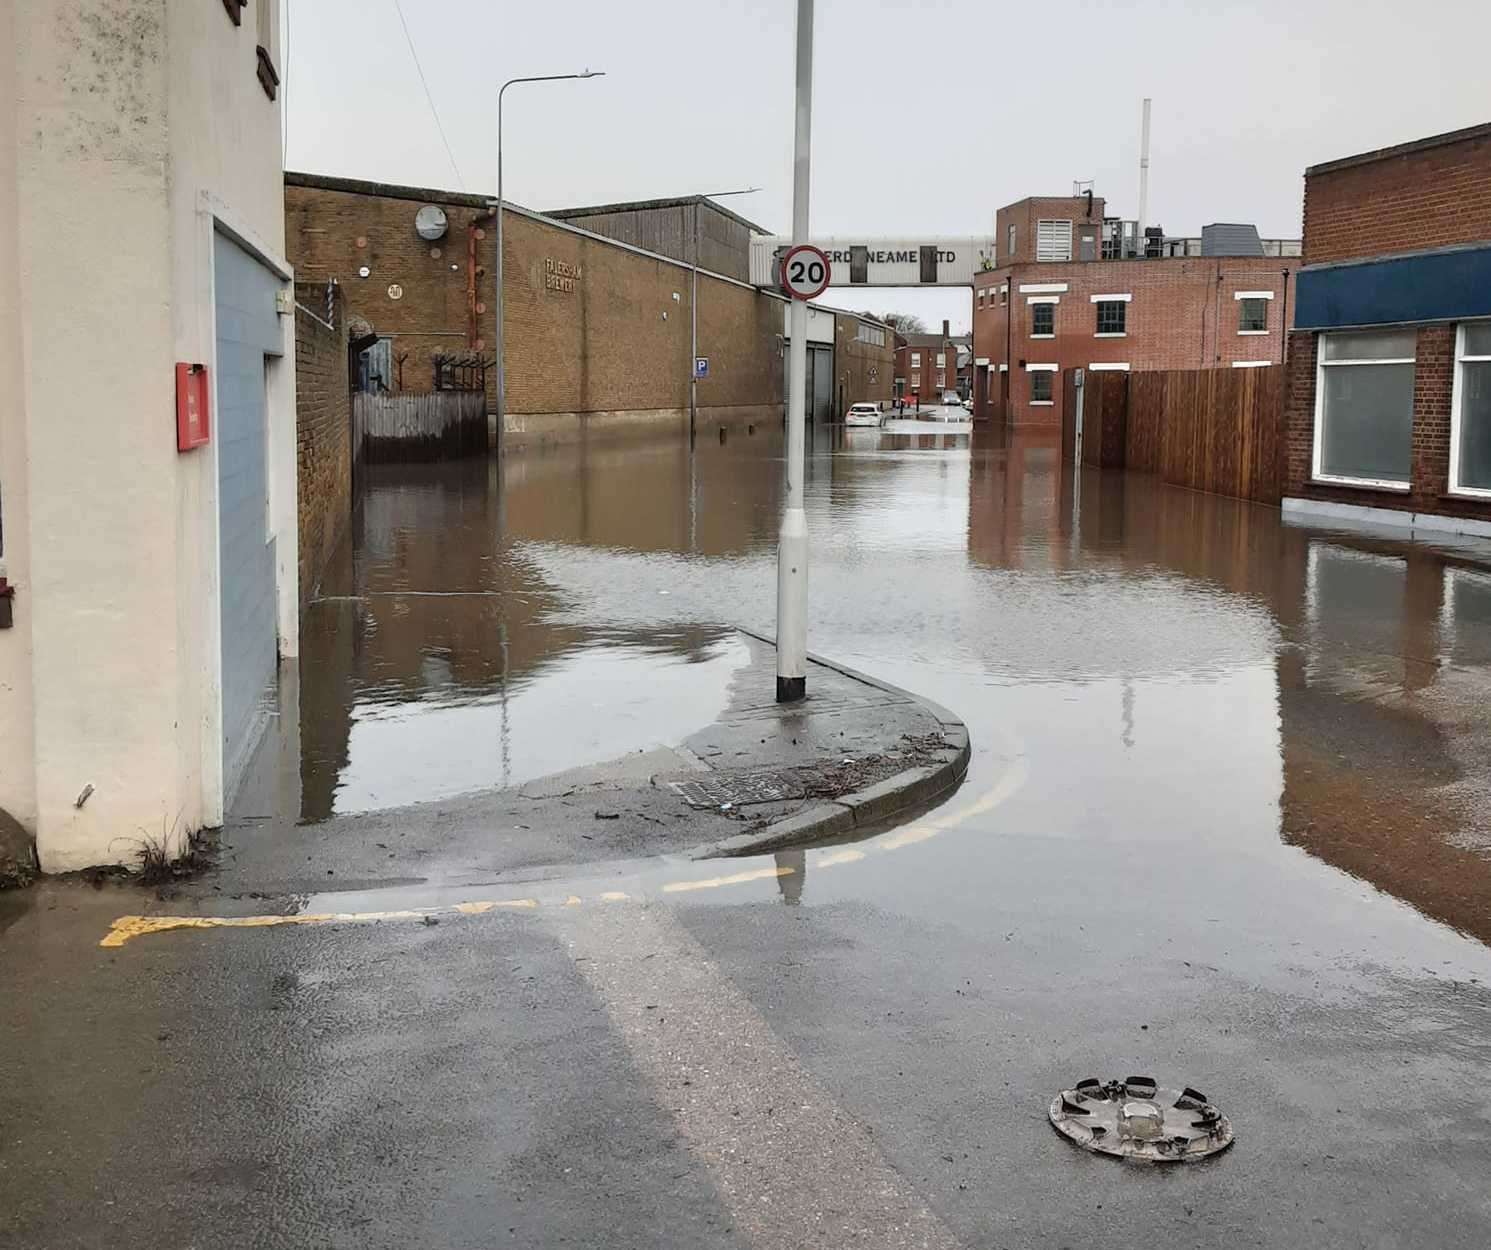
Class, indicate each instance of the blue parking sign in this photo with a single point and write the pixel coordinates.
(701, 366)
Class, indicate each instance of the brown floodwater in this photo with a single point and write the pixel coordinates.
(1162, 663)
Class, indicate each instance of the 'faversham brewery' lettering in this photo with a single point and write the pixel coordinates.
(560, 275)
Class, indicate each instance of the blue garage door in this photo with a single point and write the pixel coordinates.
(247, 332)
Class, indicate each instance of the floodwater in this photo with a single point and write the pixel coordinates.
(1159, 662)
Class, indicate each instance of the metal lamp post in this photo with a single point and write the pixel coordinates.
(792, 540)
(694, 305)
(501, 374)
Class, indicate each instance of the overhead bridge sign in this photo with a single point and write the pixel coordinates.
(882, 262)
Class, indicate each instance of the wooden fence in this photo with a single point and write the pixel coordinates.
(1215, 430)
(442, 425)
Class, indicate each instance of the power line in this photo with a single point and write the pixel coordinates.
(434, 112)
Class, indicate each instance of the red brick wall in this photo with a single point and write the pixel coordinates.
(1433, 384)
(864, 372)
(612, 340)
(1400, 202)
(1026, 213)
(1181, 317)
(323, 432)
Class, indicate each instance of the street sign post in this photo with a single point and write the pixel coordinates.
(805, 272)
(701, 366)
(804, 275)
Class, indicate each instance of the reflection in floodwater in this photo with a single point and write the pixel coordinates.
(1168, 665)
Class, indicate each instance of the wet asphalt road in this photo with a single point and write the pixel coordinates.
(1225, 825)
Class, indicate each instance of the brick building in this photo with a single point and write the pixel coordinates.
(927, 365)
(597, 329)
(597, 332)
(1073, 289)
(1388, 411)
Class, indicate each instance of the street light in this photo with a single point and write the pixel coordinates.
(501, 376)
(694, 305)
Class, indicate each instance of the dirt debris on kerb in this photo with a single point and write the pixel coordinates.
(942, 763)
(17, 853)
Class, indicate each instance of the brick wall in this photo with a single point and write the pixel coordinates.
(863, 372)
(1434, 193)
(323, 429)
(592, 327)
(1183, 315)
(1024, 214)
(1429, 473)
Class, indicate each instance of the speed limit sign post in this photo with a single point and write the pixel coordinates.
(805, 272)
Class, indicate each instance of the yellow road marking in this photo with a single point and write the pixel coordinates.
(735, 878)
(127, 927)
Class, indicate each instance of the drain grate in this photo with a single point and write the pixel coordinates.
(739, 789)
(1137, 1119)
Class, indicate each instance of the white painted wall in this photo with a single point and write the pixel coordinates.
(17, 771)
(135, 124)
(820, 324)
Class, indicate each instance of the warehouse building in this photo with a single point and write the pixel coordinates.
(599, 338)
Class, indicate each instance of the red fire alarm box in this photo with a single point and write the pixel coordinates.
(192, 409)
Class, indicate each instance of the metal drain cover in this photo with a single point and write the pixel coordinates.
(739, 789)
(1137, 1119)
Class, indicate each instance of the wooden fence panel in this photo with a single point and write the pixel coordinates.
(1215, 430)
(439, 425)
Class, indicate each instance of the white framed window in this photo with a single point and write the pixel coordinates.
(941, 377)
(1004, 295)
(1470, 411)
(1010, 241)
(981, 295)
(916, 360)
(1053, 240)
(1113, 317)
(1252, 316)
(941, 359)
(1364, 408)
(1043, 319)
(916, 381)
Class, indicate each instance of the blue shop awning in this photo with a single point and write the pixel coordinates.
(1451, 284)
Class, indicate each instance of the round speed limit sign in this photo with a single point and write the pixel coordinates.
(805, 272)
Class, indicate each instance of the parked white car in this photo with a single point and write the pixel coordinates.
(863, 414)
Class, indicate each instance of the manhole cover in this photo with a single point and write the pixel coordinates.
(740, 789)
(1137, 1119)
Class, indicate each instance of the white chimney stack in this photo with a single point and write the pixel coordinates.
(1144, 176)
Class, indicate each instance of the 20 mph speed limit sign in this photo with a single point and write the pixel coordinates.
(804, 272)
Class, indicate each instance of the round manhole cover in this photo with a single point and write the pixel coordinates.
(1138, 1119)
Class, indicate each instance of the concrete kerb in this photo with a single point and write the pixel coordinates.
(912, 788)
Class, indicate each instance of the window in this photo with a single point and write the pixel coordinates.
(1010, 241)
(916, 360)
(981, 295)
(1053, 240)
(267, 33)
(1040, 387)
(916, 381)
(1042, 321)
(1112, 316)
(1364, 407)
(870, 334)
(941, 359)
(1252, 316)
(1470, 429)
(1004, 296)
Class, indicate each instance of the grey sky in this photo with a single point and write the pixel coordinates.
(928, 114)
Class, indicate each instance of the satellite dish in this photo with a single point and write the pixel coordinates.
(430, 223)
